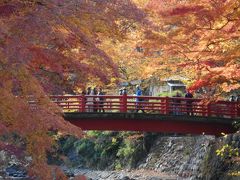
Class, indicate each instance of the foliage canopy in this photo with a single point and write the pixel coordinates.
(47, 46)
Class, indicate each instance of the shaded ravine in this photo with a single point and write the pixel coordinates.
(169, 157)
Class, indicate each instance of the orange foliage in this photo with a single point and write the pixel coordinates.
(50, 46)
(47, 47)
(201, 36)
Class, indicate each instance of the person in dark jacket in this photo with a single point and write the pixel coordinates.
(124, 91)
(95, 103)
(189, 106)
(101, 100)
(120, 91)
(177, 104)
(232, 98)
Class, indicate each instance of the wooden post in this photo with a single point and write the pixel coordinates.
(238, 109)
(233, 109)
(82, 103)
(209, 113)
(124, 103)
(167, 105)
(121, 103)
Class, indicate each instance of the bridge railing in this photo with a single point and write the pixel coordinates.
(149, 104)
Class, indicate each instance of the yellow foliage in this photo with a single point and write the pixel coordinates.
(227, 151)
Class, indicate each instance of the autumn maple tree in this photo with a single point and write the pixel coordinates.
(47, 46)
(51, 46)
(197, 39)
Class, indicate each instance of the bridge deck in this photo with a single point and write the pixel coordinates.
(151, 122)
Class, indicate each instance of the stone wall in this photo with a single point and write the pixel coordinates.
(179, 157)
(182, 156)
(13, 167)
(227, 165)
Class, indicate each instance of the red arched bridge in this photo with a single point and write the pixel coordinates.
(147, 113)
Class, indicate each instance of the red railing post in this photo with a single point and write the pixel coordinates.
(232, 109)
(124, 103)
(166, 105)
(238, 108)
(209, 113)
(82, 103)
(224, 109)
(121, 103)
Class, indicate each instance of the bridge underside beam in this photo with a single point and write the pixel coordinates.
(150, 123)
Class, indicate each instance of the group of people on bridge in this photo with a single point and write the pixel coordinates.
(94, 104)
(235, 98)
(95, 100)
(97, 104)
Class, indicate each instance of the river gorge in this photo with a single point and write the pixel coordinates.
(136, 156)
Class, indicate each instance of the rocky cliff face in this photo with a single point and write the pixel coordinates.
(222, 161)
(151, 156)
(178, 157)
(13, 166)
(182, 156)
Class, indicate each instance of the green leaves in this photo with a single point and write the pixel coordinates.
(227, 151)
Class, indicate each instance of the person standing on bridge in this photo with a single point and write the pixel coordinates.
(89, 100)
(232, 98)
(177, 104)
(238, 98)
(120, 91)
(84, 99)
(95, 102)
(89, 90)
(101, 100)
(189, 106)
(124, 91)
(139, 100)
